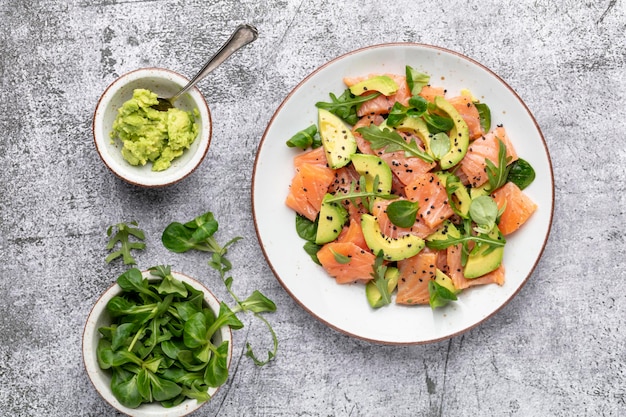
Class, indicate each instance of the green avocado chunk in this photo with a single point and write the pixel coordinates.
(394, 249)
(459, 135)
(331, 219)
(479, 263)
(381, 83)
(337, 139)
(374, 298)
(372, 166)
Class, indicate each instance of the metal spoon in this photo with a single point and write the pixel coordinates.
(243, 35)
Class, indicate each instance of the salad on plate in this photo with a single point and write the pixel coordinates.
(407, 189)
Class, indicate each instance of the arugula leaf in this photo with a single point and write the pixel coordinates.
(346, 105)
(122, 236)
(358, 193)
(451, 241)
(497, 175)
(391, 141)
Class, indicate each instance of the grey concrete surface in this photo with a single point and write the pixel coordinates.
(557, 349)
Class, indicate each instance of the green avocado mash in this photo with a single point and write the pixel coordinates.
(151, 135)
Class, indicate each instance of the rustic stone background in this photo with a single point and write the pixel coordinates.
(558, 349)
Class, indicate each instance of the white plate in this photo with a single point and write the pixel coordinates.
(344, 307)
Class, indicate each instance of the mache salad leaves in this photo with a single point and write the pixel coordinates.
(163, 343)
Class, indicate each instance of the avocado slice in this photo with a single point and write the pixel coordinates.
(331, 219)
(371, 166)
(381, 83)
(337, 138)
(374, 298)
(479, 263)
(445, 281)
(416, 126)
(459, 135)
(393, 249)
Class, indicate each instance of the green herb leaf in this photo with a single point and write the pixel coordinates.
(311, 249)
(403, 213)
(340, 258)
(305, 228)
(258, 303)
(437, 123)
(521, 173)
(439, 295)
(270, 353)
(216, 373)
(345, 106)
(397, 114)
(391, 141)
(125, 388)
(484, 113)
(418, 105)
(439, 145)
(451, 241)
(122, 236)
(416, 80)
(305, 138)
(484, 212)
(497, 175)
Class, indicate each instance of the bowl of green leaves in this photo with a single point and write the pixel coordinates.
(158, 343)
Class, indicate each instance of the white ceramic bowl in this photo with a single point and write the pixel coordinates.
(344, 307)
(101, 379)
(164, 83)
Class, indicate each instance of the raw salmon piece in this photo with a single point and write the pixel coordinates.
(473, 164)
(382, 104)
(359, 269)
(455, 271)
(315, 156)
(387, 228)
(365, 121)
(519, 207)
(353, 233)
(431, 195)
(466, 108)
(307, 189)
(430, 92)
(342, 178)
(415, 274)
(406, 169)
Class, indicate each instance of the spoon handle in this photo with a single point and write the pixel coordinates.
(243, 35)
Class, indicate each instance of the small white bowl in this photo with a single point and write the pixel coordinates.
(101, 379)
(164, 83)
